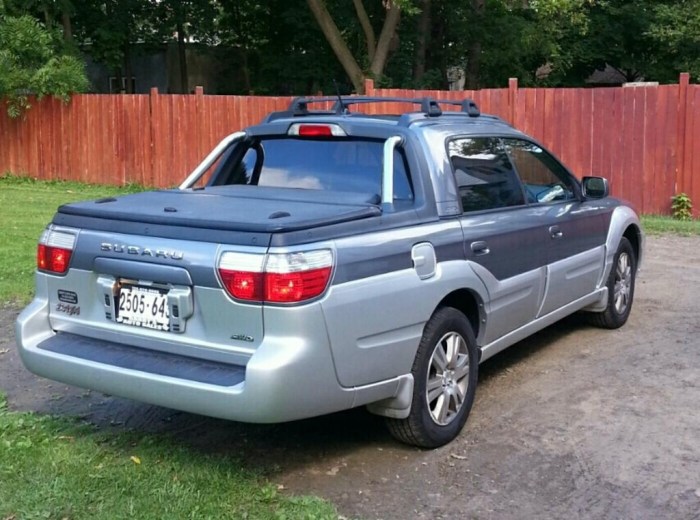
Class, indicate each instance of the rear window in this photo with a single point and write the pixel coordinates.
(314, 164)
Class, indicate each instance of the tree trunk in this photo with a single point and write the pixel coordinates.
(391, 22)
(335, 40)
(422, 41)
(370, 37)
(435, 53)
(128, 87)
(245, 72)
(474, 55)
(118, 80)
(67, 27)
(182, 57)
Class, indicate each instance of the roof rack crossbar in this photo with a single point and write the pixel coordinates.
(428, 106)
(299, 106)
(468, 106)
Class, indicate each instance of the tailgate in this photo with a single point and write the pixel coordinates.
(154, 292)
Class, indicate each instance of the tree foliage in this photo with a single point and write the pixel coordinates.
(33, 61)
(306, 46)
(675, 30)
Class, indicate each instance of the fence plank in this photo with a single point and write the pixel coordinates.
(691, 174)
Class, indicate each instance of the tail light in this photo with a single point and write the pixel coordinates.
(276, 278)
(242, 275)
(54, 251)
(295, 277)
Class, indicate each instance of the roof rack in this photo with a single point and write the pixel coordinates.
(341, 106)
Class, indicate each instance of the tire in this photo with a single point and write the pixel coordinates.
(620, 286)
(445, 373)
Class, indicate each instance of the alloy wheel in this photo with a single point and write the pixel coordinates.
(448, 378)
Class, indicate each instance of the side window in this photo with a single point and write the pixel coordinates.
(484, 174)
(246, 168)
(229, 170)
(402, 184)
(545, 180)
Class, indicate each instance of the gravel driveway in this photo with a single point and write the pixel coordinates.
(574, 422)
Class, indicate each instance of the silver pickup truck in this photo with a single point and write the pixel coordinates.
(328, 259)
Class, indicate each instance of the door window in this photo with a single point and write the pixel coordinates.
(544, 178)
(484, 174)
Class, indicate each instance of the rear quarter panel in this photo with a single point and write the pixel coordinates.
(376, 312)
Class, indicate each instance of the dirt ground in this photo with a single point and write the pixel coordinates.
(574, 422)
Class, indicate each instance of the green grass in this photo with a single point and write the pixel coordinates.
(658, 225)
(26, 206)
(53, 469)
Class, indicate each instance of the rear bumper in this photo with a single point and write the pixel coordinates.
(287, 378)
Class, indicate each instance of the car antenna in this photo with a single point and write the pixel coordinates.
(341, 108)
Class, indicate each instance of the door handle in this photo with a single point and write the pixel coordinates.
(555, 232)
(480, 248)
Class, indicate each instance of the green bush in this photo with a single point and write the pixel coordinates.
(681, 207)
(33, 62)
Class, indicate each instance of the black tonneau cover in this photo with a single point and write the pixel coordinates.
(254, 209)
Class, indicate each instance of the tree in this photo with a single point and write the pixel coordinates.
(675, 29)
(422, 40)
(377, 49)
(186, 19)
(282, 58)
(33, 61)
(652, 40)
(109, 29)
(246, 30)
(475, 49)
(50, 11)
(615, 36)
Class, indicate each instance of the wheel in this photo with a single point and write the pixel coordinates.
(445, 374)
(620, 289)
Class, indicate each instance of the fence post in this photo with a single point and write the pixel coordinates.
(681, 176)
(513, 99)
(199, 111)
(153, 124)
(369, 87)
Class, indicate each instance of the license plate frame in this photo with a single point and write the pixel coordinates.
(143, 306)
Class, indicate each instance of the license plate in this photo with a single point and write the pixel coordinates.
(143, 307)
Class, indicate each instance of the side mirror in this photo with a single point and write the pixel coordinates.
(595, 187)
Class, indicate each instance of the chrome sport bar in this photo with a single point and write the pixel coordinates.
(388, 171)
(210, 159)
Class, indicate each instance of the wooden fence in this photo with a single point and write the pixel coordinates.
(645, 140)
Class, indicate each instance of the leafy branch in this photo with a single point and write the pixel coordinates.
(32, 63)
